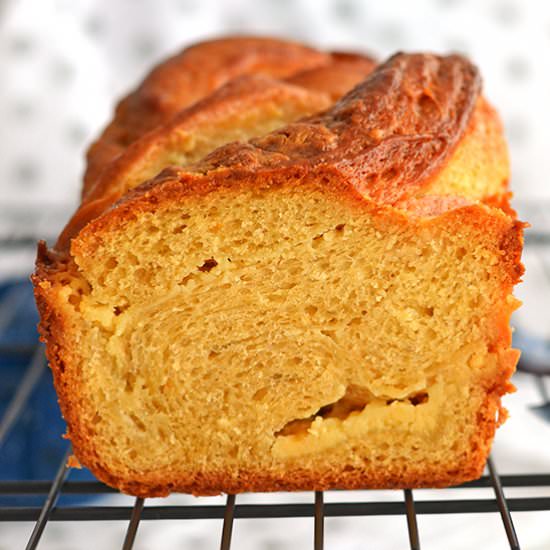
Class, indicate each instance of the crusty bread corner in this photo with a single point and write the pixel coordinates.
(197, 71)
(326, 305)
(248, 104)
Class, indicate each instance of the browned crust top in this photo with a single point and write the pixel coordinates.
(189, 76)
(319, 86)
(386, 137)
(239, 94)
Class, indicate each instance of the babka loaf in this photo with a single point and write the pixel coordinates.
(310, 291)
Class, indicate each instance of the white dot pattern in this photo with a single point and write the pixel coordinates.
(63, 65)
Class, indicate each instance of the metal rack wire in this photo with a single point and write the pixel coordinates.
(317, 509)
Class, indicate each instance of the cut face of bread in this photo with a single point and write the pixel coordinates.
(289, 330)
(324, 306)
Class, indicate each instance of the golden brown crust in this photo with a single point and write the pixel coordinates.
(336, 78)
(242, 94)
(187, 77)
(54, 333)
(319, 86)
(387, 136)
(300, 479)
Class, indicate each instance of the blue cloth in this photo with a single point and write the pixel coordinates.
(34, 446)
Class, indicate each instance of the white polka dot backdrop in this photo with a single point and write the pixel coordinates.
(63, 64)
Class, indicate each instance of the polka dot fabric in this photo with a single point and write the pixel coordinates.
(64, 63)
